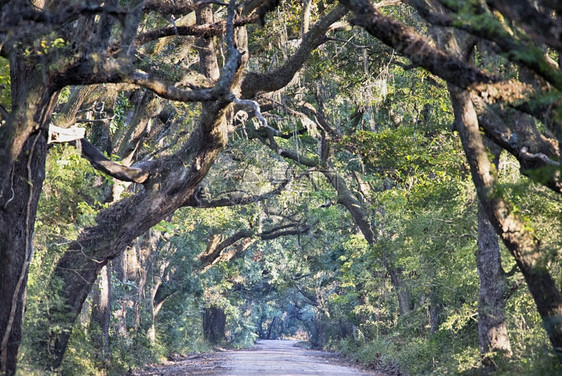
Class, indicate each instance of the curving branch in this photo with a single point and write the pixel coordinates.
(24, 15)
(523, 140)
(197, 201)
(266, 82)
(408, 43)
(417, 48)
(216, 248)
(167, 7)
(538, 24)
(100, 162)
(87, 72)
(202, 31)
(517, 50)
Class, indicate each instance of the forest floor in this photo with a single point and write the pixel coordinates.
(266, 358)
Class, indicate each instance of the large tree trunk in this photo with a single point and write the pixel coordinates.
(521, 243)
(17, 217)
(23, 149)
(492, 330)
(116, 228)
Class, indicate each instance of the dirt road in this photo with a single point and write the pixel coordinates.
(268, 358)
(278, 358)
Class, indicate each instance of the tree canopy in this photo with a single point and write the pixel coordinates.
(378, 178)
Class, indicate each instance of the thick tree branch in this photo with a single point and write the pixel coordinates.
(199, 202)
(26, 14)
(522, 139)
(538, 24)
(517, 50)
(167, 7)
(90, 71)
(215, 249)
(202, 31)
(100, 162)
(406, 41)
(266, 82)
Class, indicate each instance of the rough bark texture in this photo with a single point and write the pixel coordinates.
(17, 217)
(266, 82)
(172, 182)
(121, 223)
(408, 43)
(22, 171)
(492, 329)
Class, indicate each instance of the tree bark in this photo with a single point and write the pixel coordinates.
(101, 313)
(524, 247)
(17, 218)
(23, 149)
(492, 330)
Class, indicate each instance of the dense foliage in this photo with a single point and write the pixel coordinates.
(350, 220)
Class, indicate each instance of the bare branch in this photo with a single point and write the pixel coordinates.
(215, 249)
(202, 31)
(271, 81)
(524, 153)
(198, 202)
(254, 106)
(115, 71)
(100, 162)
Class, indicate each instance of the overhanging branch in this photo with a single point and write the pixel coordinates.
(215, 251)
(267, 82)
(100, 162)
(199, 202)
(202, 31)
(90, 71)
(407, 42)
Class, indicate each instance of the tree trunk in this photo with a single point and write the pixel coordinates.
(119, 267)
(101, 313)
(214, 325)
(23, 149)
(521, 243)
(149, 248)
(492, 330)
(405, 302)
(20, 198)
